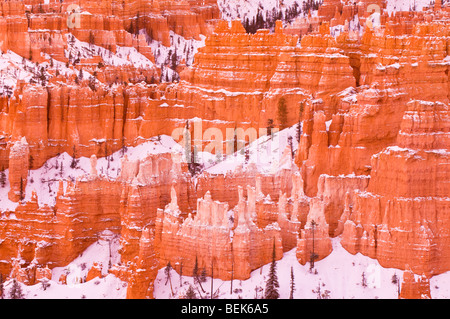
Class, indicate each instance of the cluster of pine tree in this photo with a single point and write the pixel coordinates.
(267, 20)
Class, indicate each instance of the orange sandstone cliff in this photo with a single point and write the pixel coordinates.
(371, 165)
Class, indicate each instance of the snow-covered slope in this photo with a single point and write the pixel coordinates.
(406, 5)
(341, 273)
(104, 252)
(44, 180)
(242, 9)
(123, 56)
(265, 153)
(167, 58)
(15, 68)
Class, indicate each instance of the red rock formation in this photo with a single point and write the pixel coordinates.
(145, 269)
(94, 272)
(376, 174)
(43, 274)
(231, 244)
(414, 286)
(399, 216)
(19, 159)
(314, 240)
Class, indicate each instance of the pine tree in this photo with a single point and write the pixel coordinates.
(21, 190)
(269, 127)
(313, 255)
(195, 274)
(190, 293)
(298, 133)
(321, 294)
(272, 285)
(173, 60)
(3, 177)
(2, 290)
(61, 169)
(291, 295)
(181, 274)
(246, 155)
(203, 275)
(363, 280)
(291, 146)
(212, 279)
(394, 279)
(195, 270)
(167, 271)
(74, 162)
(16, 291)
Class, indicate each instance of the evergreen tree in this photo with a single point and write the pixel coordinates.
(269, 127)
(16, 291)
(291, 295)
(167, 271)
(92, 83)
(21, 190)
(2, 177)
(74, 162)
(30, 162)
(190, 293)
(246, 155)
(394, 279)
(203, 275)
(61, 169)
(321, 294)
(272, 285)
(298, 131)
(291, 146)
(195, 270)
(313, 255)
(195, 274)
(181, 274)
(173, 60)
(2, 290)
(363, 280)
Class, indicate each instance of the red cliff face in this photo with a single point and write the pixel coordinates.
(406, 197)
(371, 164)
(414, 286)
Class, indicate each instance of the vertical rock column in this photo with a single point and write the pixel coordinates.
(19, 159)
